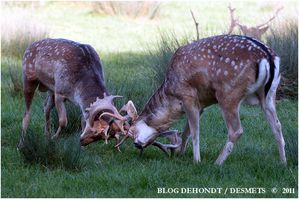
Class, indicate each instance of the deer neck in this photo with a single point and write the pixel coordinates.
(161, 110)
(86, 94)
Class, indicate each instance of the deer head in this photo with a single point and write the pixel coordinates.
(131, 132)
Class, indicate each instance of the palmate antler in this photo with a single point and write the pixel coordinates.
(253, 31)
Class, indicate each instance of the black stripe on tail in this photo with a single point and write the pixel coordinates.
(270, 59)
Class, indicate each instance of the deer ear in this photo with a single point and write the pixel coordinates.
(131, 110)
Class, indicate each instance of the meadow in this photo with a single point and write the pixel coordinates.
(135, 52)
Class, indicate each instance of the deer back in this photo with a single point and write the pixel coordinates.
(224, 64)
(64, 66)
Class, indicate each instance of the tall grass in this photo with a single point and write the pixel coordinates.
(12, 75)
(66, 153)
(137, 9)
(18, 32)
(283, 38)
(159, 58)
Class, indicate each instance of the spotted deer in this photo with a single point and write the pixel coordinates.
(68, 70)
(225, 69)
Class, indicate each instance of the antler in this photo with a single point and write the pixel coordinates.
(233, 19)
(100, 104)
(165, 147)
(254, 31)
(122, 141)
(271, 19)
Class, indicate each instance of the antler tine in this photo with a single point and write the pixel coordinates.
(160, 146)
(165, 147)
(233, 19)
(122, 141)
(271, 19)
(113, 115)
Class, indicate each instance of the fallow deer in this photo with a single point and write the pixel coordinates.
(225, 69)
(68, 70)
(251, 31)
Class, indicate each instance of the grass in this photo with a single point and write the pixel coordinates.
(134, 62)
(160, 56)
(135, 9)
(107, 173)
(279, 40)
(65, 153)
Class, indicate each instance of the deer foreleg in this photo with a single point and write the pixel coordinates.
(61, 114)
(48, 106)
(29, 89)
(193, 120)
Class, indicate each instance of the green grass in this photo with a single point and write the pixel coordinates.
(134, 63)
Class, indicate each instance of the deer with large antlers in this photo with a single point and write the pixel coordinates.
(68, 70)
(225, 69)
(253, 31)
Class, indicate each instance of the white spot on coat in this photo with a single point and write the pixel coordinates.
(218, 71)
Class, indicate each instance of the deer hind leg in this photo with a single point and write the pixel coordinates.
(48, 106)
(61, 114)
(29, 89)
(268, 107)
(235, 130)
